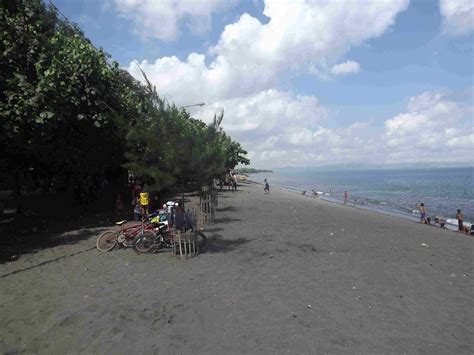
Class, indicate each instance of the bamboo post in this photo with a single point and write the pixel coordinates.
(196, 241)
(185, 249)
(179, 241)
(190, 247)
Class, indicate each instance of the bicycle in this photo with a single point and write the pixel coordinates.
(124, 236)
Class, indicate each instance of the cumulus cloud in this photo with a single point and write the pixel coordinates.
(435, 126)
(281, 129)
(349, 67)
(162, 19)
(250, 55)
(240, 74)
(267, 113)
(458, 16)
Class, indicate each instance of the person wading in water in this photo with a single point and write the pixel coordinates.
(460, 218)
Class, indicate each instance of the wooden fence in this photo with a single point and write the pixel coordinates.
(185, 244)
(208, 203)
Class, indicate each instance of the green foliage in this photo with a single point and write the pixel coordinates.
(68, 114)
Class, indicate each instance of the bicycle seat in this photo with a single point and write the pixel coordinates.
(120, 223)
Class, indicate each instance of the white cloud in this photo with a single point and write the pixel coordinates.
(266, 113)
(162, 18)
(250, 56)
(458, 16)
(281, 129)
(348, 67)
(434, 124)
(241, 72)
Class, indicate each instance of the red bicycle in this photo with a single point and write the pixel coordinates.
(124, 236)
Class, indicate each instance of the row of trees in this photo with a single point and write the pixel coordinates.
(71, 118)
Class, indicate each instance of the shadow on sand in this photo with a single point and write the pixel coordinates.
(227, 209)
(217, 244)
(225, 220)
(213, 230)
(47, 262)
(25, 236)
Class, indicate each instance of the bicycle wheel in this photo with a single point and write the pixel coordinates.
(144, 243)
(106, 241)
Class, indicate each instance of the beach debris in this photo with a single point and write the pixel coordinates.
(424, 245)
(332, 252)
(354, 287)
(294, 315)
(331, 233)
(342, 229)
(309, 306)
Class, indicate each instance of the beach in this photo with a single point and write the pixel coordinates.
(281, 273)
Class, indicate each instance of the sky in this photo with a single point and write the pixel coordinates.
(306, 82)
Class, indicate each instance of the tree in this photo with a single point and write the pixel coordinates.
(70, 117)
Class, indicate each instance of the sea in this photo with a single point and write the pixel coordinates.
(390, 191)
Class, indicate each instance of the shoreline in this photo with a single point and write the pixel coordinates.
(369, 208)
(443, 191)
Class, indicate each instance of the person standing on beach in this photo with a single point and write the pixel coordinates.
(119, 208)
(266, 189)
(346, 197)
(234, 182)
(422, 210)
(136, 188)
(460, 218)
(144, 205)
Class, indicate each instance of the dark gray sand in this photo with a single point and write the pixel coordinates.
(282, 273)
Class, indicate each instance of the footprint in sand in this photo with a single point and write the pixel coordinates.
(71, 319)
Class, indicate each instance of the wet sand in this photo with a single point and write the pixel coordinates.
(282, 273)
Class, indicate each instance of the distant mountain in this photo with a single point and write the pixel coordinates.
(362, 166)
(252, 171)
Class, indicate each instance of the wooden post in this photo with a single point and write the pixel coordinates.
(185, 246)
(196, 251)
(190, 247)
(179, 241)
